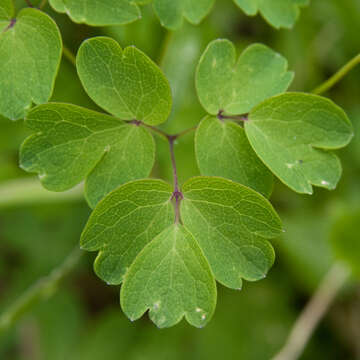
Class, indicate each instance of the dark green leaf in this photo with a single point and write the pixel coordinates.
(72, 144)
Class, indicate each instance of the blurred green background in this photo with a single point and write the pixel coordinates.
(83, 320)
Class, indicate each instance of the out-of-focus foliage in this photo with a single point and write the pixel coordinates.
(247, 325)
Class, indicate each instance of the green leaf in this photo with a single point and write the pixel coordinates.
(279, 13)
(99, 13)
(172, 12)
(6, 13)
(230, 222)
(235, 87)
(292, 134)
(164, 264)
(345, 240)
(125, 83)
(171, 278)
(72, 144)
(124, 222)
(30, 53)
(222, 149)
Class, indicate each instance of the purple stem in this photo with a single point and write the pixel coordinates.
(242, 118)
(12, 24)
(177, 195)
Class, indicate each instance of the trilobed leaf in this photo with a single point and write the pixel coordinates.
(279, 13)
(30, 53)
(126, 83)
(293, 134)
(169, 268)
(72, 144)
(225, 84)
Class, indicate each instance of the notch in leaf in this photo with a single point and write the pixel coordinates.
(228, 89)
(168, 267)
(30, 54)
(172, 12)
(225, 84)
(177, 278)
(279, 13)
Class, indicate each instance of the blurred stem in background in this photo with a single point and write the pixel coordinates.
(328, 84)
(166, 44)
(42, 4)
(43, 289)
(29, 191)
(69, 55)
(314, 311)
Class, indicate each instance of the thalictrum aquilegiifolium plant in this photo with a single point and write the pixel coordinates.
(168, 244)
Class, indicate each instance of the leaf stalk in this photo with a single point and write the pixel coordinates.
(177, 195)
(42, 4)
(237, 118)
(43, 289)
(313, 313)
(29, 3)
(339, 75)
(69, 55)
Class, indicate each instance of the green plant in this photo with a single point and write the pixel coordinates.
(167, 244)
(172, 12)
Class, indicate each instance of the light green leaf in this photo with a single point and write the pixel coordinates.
(72, 144)
(30, 53)
(235, 87)
(99, 13)
(345, 240)
(6, 13)
(172, 12)
(125, 83)
(279, 13)
(172, 279)
(124, 222)
(222, 149)
(288, 133)
(230, 222)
